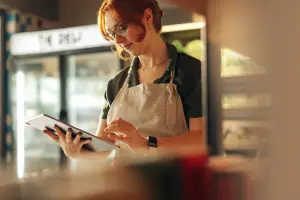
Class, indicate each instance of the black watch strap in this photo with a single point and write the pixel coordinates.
(152, 142)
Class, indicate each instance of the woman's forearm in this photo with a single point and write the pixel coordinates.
(188, 140)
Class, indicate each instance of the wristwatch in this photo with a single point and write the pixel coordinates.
(152, 141)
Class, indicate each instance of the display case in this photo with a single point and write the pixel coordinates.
(61, 77)
(35, 89)
(245, 102)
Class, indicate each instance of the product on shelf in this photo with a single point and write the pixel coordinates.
(243, 134)
(194, 48)
(235, 64)
(240, 101)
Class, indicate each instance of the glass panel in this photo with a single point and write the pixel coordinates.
(35, 90)
(88, 76)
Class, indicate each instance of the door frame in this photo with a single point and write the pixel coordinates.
(3, 88)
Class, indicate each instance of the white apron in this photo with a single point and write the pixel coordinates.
(153, 109)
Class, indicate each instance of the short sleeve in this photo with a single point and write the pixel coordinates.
(193, 102)
(105, 107)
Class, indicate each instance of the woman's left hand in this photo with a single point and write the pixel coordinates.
(121, 130)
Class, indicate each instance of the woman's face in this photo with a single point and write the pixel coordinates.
(127, 36)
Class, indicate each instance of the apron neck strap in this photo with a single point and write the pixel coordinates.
(172, 75)
(126, 82)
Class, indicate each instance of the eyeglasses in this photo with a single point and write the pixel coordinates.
(120, 30)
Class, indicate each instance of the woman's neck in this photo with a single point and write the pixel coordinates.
(157, 53)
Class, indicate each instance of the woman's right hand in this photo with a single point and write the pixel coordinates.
(71, 147)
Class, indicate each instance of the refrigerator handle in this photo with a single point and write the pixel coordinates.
(63, 116)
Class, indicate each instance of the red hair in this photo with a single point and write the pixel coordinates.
(129, 11)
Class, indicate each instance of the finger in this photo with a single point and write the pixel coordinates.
(112, 126)
(86, 141)
(117, 120)
(118, 138)
(52, 135)
(114, 130)
(77, 138)
(69, 136)
(105, 137)
(59, 133)
(122, 123)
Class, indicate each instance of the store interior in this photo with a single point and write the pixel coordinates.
(69, 83)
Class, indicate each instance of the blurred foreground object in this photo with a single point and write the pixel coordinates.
(176, 178)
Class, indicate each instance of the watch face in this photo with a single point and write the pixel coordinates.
(152, 141)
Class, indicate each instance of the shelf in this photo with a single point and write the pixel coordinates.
(243, 152)
(242, 84)
(246, 114)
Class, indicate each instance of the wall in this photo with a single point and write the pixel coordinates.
(78, 12)
(47, 9)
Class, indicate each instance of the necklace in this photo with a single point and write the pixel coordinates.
(157, 63)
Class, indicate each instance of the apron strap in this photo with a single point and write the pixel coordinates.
(172, 76)
(125, 84)
(126, 80)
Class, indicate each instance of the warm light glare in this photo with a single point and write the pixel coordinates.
(20, 124)
(183, 27)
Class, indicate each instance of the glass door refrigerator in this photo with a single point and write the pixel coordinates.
(34, 89)
(87, 78)
(86, 81)
(64, 74)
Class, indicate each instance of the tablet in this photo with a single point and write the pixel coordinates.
(43, 122)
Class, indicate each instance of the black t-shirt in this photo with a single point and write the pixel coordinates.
(187, 79)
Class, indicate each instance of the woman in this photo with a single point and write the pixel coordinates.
(156, 102)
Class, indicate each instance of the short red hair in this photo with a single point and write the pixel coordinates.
(130, 11)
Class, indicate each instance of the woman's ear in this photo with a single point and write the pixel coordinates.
(148, 16)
